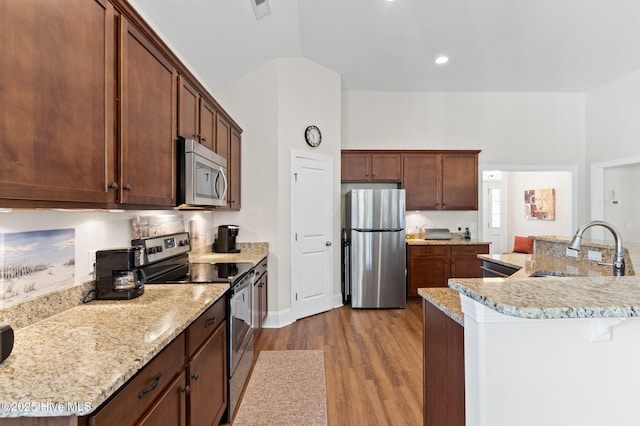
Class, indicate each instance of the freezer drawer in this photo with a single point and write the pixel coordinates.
(378, 269)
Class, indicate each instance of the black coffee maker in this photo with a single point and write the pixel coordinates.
(118, 273)
(225, 241)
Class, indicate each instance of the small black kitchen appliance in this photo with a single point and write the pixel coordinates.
(225, 241)
(119, 274)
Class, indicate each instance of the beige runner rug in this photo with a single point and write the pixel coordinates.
(285, 388)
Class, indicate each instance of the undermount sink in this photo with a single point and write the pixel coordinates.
(547, 274)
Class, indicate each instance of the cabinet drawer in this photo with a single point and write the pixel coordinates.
(429, 250)
(128, 405)
(205, 325)
(470, 250)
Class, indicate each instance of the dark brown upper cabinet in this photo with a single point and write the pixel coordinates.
(358, 166)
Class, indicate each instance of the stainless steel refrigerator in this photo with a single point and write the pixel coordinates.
(375, 267)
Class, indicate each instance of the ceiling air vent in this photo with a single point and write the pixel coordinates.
(260, 8)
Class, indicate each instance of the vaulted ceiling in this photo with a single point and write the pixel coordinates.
(493, 45)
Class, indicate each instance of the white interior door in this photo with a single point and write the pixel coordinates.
(312, 246)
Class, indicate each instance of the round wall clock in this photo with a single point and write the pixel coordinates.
(313, 136)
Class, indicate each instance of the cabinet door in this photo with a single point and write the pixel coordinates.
(465, 262)
(264, 302)
(386, 168)
(188, 110)
(171, 407)
(421, 179)
(234, 164)
(459, 182)
(208, 381)
(223, 136)
(148, 116)
(207, 124)
(57, 91)
(355, 167)
(427, 266)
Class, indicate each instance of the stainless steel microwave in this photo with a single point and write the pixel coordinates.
(202, 176)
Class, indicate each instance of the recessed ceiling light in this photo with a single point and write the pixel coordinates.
(442, 60)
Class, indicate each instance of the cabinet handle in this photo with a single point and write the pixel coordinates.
(113, 185)
(185, 389)
(151, 387)
(198, 136)
(210, 322)
(204, 139)
(127, 187)
(194, 376)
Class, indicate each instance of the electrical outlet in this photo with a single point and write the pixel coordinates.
(92, 262)
(571, 252)
(594, 255)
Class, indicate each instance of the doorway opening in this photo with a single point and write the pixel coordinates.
(503, 213)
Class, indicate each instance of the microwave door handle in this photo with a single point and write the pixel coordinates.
(224, 179)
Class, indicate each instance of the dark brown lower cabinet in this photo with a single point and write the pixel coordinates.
(443, 368)
(171, 407)
(208, 381)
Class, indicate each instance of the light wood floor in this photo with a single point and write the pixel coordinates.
(373, 361)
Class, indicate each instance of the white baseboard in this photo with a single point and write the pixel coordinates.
(285, 317)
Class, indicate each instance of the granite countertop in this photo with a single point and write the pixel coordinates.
(85, 354)
(249, 252)
(452, 241)
(446, 299)
(589, 291)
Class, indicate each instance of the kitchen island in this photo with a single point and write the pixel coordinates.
(69, 364)
(552, 350)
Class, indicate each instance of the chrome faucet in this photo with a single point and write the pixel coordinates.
(618, 263)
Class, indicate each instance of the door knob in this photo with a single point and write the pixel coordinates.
(328, 243)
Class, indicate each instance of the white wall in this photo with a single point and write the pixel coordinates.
(517, 183)
(510, 128)
(622, 182)
(613, 127)
(613, 131)
(274, 105)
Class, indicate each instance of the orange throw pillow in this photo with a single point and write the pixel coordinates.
(523, 245)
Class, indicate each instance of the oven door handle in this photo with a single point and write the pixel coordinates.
(244, 283)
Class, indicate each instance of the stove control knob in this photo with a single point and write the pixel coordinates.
(151, 250)
(158, 249)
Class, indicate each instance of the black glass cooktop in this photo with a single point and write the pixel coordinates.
(214, 272)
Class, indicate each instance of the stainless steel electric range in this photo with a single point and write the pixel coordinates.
(167, 262)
